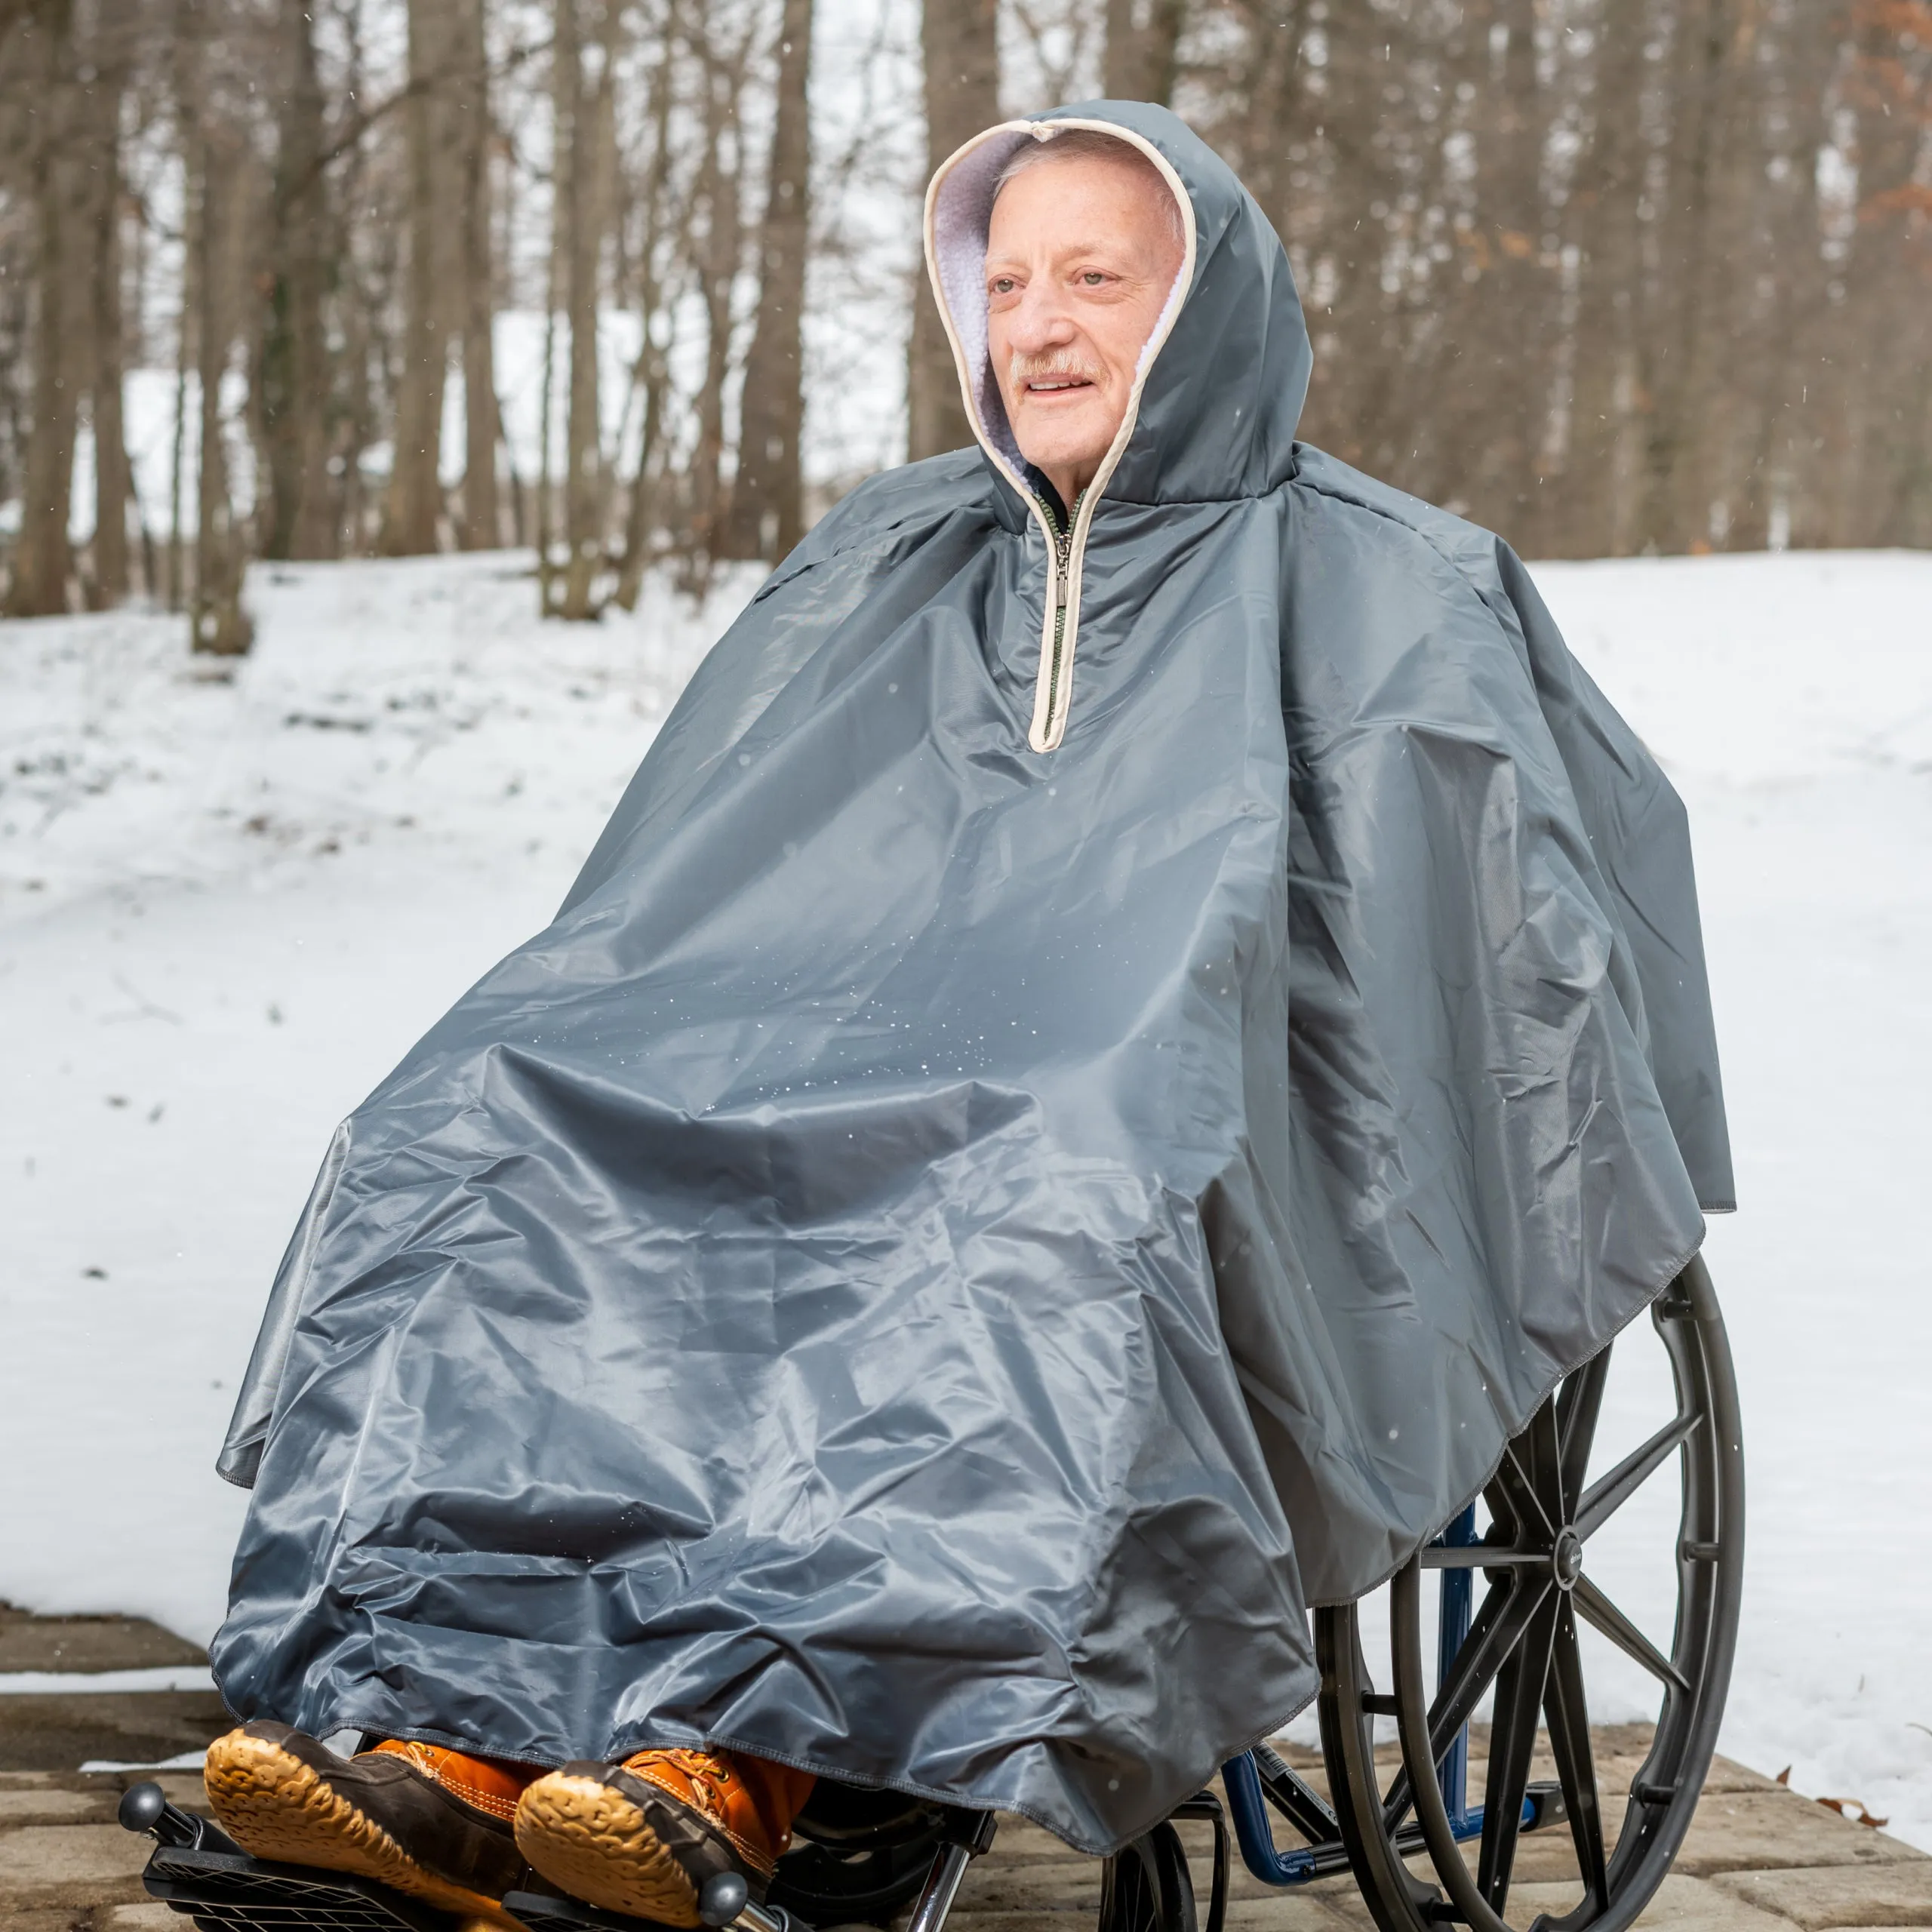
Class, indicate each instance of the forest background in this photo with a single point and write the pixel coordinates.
(638, 282)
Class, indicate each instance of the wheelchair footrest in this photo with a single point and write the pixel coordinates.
(228, 1891)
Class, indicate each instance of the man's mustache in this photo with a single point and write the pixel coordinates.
(1054, 366)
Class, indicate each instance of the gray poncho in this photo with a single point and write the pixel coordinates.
(1015, 1169)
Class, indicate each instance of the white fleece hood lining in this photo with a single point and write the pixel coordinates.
(959, 212)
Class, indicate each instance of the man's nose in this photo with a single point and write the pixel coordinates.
(1041, 320)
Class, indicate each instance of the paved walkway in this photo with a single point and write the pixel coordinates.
(1758, 1858)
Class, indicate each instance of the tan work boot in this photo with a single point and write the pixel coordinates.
(642, 1836)
(434, 1823)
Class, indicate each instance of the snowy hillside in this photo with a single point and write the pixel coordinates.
(226, 908)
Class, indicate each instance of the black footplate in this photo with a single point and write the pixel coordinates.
(198, 1871)
(231, 1892)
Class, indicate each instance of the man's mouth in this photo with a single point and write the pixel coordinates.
(1048, 377)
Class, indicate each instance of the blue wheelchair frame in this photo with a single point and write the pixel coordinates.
(1258, 1777)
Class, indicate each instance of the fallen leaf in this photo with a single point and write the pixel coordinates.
(1853, 1808)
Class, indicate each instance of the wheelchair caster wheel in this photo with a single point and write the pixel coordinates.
(1147, 1887)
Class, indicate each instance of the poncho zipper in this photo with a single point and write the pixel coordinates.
(1062, 579)
(1059, 637)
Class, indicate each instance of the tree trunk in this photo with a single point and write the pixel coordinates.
(414, 502)
(652, 373)
(1494, 406)
(1593, 512)
(293, 374)
(480, 531)
(1143, 57)
(218, 626)
(176, 561)
(580, 152)
(767, 515)
(1669, 354)
(961, 46)
(43, 560)
(1266, 99)
(110, 476)
(545, 518)
(719, 262)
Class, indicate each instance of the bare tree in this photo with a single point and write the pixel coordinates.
(650, 375)
(471, 107)
(413, 506)
(583, 93)
(961, 47)
(212, 151)
(1142, 56)
(722, 60)
(105, 377)
(766, 514)
(43, 560)
(294, 374)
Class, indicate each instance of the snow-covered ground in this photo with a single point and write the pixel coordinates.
(226, 908)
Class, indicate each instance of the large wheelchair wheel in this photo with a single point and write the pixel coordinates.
(1522, 1647)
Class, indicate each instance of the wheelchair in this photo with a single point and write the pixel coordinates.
(1398, 1814)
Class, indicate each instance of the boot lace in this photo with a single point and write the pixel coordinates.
(707, 1772)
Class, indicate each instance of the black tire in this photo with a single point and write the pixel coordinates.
(1524, 1643)
(1146, 1886)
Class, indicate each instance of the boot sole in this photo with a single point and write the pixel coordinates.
(595, 1843)
(275, 1807)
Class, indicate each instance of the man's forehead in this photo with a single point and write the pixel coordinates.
(1065, 239)
(1083, 204)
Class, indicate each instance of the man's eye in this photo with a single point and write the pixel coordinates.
(1002, 285)
(1092, 278)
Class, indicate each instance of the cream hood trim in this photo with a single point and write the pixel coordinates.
(958, 207)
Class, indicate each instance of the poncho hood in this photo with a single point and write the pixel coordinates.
(1000, 1184)
(1224, 375)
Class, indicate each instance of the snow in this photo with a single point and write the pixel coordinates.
(188, 1761)
(227, 907)
(65, 1683)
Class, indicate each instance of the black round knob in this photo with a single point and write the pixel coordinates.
(141, 1807)
(723, 1898)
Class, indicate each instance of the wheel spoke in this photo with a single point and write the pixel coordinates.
(1602, 1500)
(1600, 1613)
(1506, 1614)
(1578, 1408)
(1512, 1737)
(1567, 1709)
(1546, 1463)
(1497, 1629)
(1516, 1478)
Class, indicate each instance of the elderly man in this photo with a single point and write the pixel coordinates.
(1138, 1015)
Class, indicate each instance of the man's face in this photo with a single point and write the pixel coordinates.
(1080, 256)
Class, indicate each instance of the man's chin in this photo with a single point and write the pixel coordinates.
(1062, 452)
